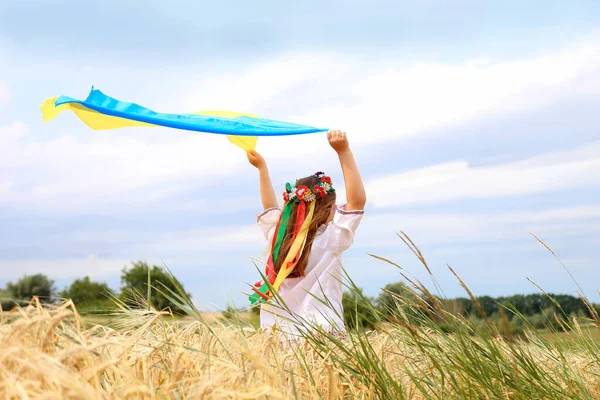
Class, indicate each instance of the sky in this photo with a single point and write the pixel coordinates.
(475, 124)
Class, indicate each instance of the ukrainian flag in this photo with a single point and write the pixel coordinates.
(100, 112)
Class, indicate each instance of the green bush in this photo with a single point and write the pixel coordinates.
(5, 303)
(29, 286)
(135, 287)
(359, 312)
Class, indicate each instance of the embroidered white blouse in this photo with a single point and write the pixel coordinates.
(323, 274)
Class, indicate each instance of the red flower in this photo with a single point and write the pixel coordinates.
(302, 191)
(286, 196)
(319, 191)
(326, 180)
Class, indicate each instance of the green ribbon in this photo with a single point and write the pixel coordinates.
(283, 223)
(285, 218)
(255, 297)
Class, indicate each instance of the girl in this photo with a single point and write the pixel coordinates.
(307, 239)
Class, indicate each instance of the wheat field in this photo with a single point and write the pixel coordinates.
(49, 352)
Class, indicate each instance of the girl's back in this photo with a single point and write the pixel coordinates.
(307, 238)
(316, 296)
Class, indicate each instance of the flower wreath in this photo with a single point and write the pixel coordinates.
(304, 193)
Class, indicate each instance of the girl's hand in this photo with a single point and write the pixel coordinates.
(267, 193)
(355, 189)
(337, 139)
(256, 159)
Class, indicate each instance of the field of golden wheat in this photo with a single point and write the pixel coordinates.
(49, 352)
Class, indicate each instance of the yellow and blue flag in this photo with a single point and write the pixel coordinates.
(100, 112)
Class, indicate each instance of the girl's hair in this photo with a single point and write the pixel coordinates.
(323, 208)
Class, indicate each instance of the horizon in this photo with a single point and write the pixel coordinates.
(473, 125)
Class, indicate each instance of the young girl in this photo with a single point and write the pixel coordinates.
(307, 238)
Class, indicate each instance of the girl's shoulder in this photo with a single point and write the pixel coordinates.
(338, 235)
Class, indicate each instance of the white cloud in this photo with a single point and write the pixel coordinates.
(425, 96)
(75, 172)
(173, 243)
(376, 102)
(14, 131)
(458, 180)
(210, 245)
(256, 85)
(439, 228)
(372, 101)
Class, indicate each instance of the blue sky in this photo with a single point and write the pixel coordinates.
(474, 123)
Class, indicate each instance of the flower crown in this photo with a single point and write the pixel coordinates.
(304, 193)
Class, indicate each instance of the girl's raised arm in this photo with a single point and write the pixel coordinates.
(267, 193)
(356, 196)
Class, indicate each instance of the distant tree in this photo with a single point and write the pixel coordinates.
(5, 303)
(459, 306)
(389, 298)
(489, 305)
(359, 312)
(86, 290)
(397, 299)
(517, 301)
(89, 295)
(32, 285)
(533, 304)
(569, 304)
(135, 284)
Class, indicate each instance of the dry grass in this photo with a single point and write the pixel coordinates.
(46, 353)
(49, 353)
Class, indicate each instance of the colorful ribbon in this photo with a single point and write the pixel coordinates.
(303, 219)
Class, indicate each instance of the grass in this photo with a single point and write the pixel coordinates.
(50, 352)
(588, 333)
(110, 319)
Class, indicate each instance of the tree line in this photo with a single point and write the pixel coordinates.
(540, 310)
(90, 296)
(141, 280)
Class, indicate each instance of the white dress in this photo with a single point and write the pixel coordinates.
(323, 275)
